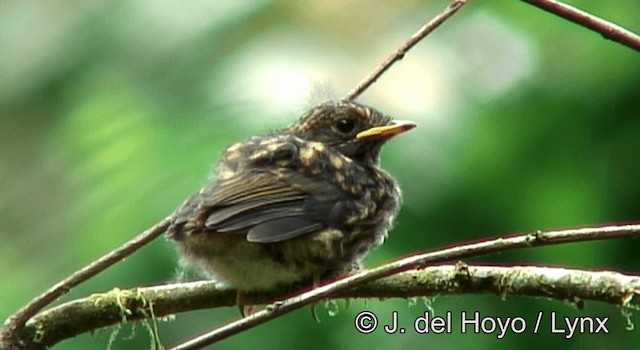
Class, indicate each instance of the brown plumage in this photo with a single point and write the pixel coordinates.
(295, 206)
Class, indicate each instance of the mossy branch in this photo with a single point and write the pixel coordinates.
(567, 285)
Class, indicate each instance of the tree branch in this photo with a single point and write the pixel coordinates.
(416, 261)
(607, 29)
(17, 321)
(404, 48)
(105, 309)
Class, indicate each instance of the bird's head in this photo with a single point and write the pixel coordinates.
(355, 130)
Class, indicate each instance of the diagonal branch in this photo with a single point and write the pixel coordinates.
(607, 29)
(416, 261)
(17, 321)
(404, 48)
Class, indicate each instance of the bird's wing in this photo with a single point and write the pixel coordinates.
(266, 207)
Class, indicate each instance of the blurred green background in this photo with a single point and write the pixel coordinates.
(113, 112)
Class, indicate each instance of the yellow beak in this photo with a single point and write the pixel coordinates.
(386, 131)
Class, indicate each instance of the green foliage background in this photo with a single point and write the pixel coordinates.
(111, 114)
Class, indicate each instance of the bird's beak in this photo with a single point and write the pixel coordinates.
(387, 131)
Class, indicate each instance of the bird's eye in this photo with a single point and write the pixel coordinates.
(345, 125)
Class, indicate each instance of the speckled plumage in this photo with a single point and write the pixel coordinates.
(295, 206)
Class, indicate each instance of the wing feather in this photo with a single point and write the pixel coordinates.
(282, 229)
(267, 208)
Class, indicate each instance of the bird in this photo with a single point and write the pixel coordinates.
(296, 206)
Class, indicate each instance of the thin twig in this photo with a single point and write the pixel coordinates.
(462, 251)
(105, 309)
(607, 29)
(402, 50)
(17, 321)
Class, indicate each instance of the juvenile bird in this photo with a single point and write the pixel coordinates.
(295, 206)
